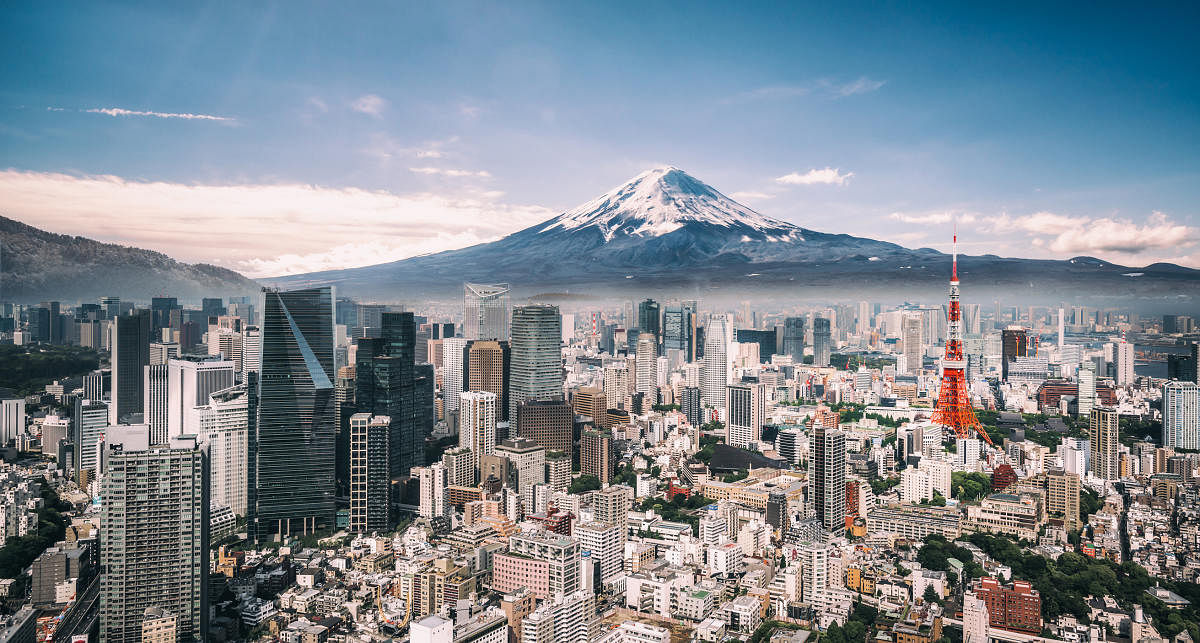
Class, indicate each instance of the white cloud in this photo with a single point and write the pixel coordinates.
(1113, 238)
(261, 230)
(752, 196)
(370, 104)
(829, 175)
(118, 111)
(932, 218)
(440, 171)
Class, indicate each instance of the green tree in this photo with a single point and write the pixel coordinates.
(584, 483)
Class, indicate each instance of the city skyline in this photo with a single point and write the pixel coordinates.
(491, 120)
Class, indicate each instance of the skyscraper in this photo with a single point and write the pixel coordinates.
(386, 386)
(223, 426)
(647, 369)
(89, 423)
(433, 481)
(910, 335)
(486, 311)
(293, 445)
(690, 405)
(747, 410)
(829, 477)
(648, 319)
(1013, 344)
(679, 330)
(369, 474)
(1087, 389)
(130, 349)
(156, 384)
(154, 525)
(793, 338)
(477, 423)
(1103, 435)
(822, 341)
(536, 362)
(487, 369)
(1181, 415)
(715, 373)
(453, 349)
(189, 384)
(1062, 498)
(596, 454)
(1123, 362)
(548, 423)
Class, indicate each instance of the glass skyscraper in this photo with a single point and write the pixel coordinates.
(486, 311)
(822, 341)
(387, 386)
(536, 357)
(793, 338)
(293, 445)
(130, 352)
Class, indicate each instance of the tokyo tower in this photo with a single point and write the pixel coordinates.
(954, 404)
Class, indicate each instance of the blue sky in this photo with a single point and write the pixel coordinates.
(329, 136)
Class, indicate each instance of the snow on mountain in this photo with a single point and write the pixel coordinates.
(661, 201)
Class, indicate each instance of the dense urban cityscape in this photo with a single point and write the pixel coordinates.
(306, 467)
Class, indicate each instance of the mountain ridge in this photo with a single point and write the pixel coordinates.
(38, 264)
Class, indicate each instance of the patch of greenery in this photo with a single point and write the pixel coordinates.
(881, 485)
(860, 623)
(740, 474)
(20, 551)
(584, 483)
(663, 408)
(678, 509)
(969, 486)
(28, 369)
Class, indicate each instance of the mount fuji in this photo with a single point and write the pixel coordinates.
(668, 232)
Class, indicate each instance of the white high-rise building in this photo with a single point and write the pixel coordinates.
(975, 618)
(90, 421)
(452, 371)
(814, 572)
(1181, 415)
(156, 402)
(967, 454)
(565, 619)
(477, 422)
(747, 410)
(223, 425)
(606, 543)
(914, 349)
(432, 480)
(1087, 389)
(189, 385)
(12, 420)
(616, 385)
(715, 373)
(252, 350)
(1123, 358)
(647, 370)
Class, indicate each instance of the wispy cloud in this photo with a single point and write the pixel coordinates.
(861, 85)
(751, 196)
(370, 104)
(326, 228)
(829, 176)
(932, 218)
(441, 171)
(120, 111)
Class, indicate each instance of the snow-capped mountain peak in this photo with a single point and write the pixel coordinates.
(660, 201)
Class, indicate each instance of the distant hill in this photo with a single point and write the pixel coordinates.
(36, 265)
(667, 233)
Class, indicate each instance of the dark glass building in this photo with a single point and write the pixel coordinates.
(793, 338)
(292, 450)
(130, 354)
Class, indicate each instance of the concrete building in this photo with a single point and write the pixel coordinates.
(1181, 415)
(747, 410)
(370, 482)
(1103, 434)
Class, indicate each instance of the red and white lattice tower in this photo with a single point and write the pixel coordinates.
(954, 403)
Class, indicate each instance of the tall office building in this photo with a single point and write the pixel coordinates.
(251, 350)
(589, 401)
(1013, 344)
(828, 466)
(369, 475)
(487, 369)
(1103, 434)
(548, 423)
(453, 350)
(863, 318)
(747, 410)
(1086, 398)
(793, 338)
(89, 422)
(477, 423)
(156, 384)
(822, 341)
(486, 311)
(433, 481)
(223, 426)
(715, 373)
(163, 352)
(1123, 362)
(596, 457)
(130, 354)
(679, 330)
(1062, 498)
(647, 370)
(689, 403)
(386, 385)
(154, 526)
(536, 363)
(293, 445)
(648, 319)
(190, 383)
(1181, 415)
(910, 336)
